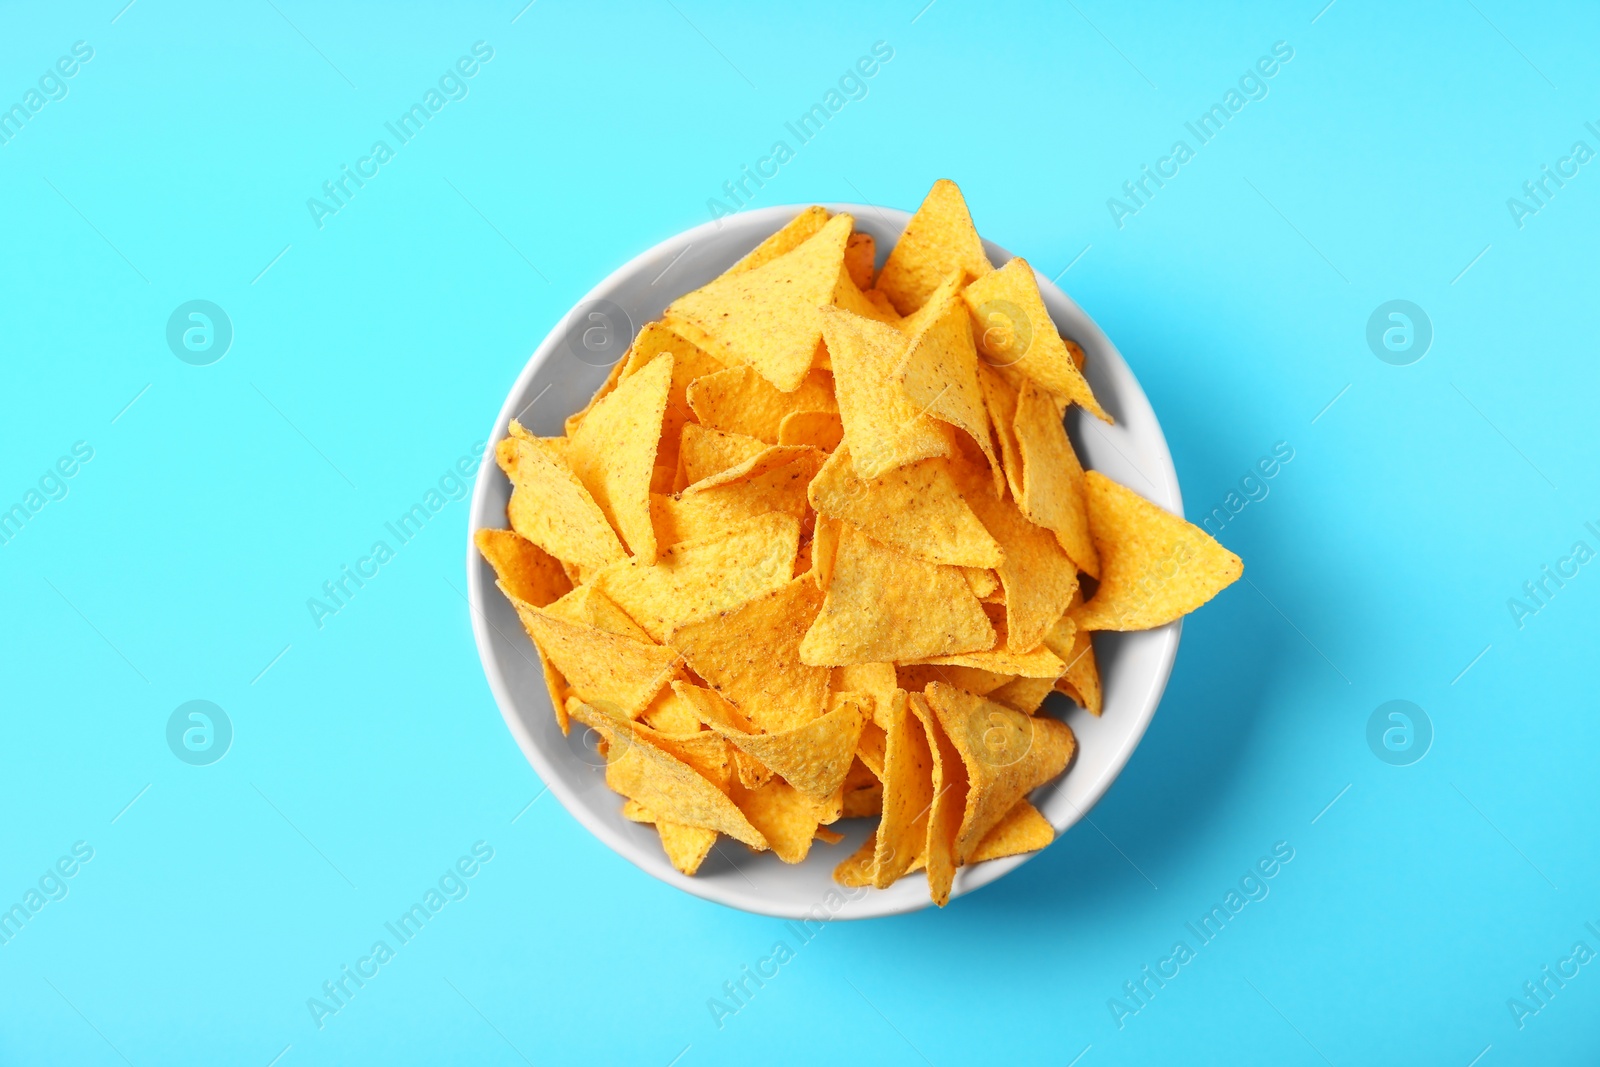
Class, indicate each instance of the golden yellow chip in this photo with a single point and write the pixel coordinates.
(588, 606)
(528, 571)
(849, 298)
(613, 453)
(1007, 753)
(751, 655)
(939, 372)
(870, 749)
(1000, 400)
(550, 506)
(557, 687)
(886, 311)
(703, 453)
(884, 606)
(699, 578)
(863, 793)
(572, 421)
(915, 509)
(983, 582)
(665, 784)
(882, 427)
(767, 316)
(819, 429)
(1155, 567)
(1023, 694)
(1037, 662)
(940, 240)
(1052, 478)
(794, 233)
(738, 400)
(689, 362)
(671, 712)
(916, 677)
(873, 680)
(1022, 829)
(907, 796)
(824, 547)
(686, 846)
(710, 708)
(813, 758)
(860, 253)
(707, 508)
(947, 806)
(599, 667)
(856, 871)
(1013, 330)
(1081, 679)
(770, 458)
(786, 817)
(1037, 576)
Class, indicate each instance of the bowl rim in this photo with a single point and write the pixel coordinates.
(764, 221)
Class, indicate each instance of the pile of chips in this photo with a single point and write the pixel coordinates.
(820, 547)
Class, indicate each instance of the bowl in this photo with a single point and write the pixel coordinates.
(559, 378)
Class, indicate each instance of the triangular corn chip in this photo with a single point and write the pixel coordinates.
(874, 680)
(819, 429)
(1001, 402)
(769, 459)
(751, 655)
(1023, 694)
(1081, 679)
(528, 571)
(794, 233)
(915, 509)
(767, 316)
(550, 506)
(686, 846)
(983, 582)
(699, 578)
(559, 692)
(1052, 478)
(573, 420)
(738, 400)
(613, 452)
(689, 362)
(1154, 566)
(665, 784)
(703, 453)
(856, 871)
(1037, 576)
(824, 547)
(948, 805)
(1022, 829)
(883, 606)
(938, 241)
(590, 607)
(1007, 753)
(916, 677)
(882, 427)
(708, 754)
(1013, 330)
(706, 508)
(600, 668)
(671, 712)
(863, 793)
(939, 372)
(786, 817)
(907, 796)
(1037, 662)
(860, 253)
(849, 298)
(813, 758)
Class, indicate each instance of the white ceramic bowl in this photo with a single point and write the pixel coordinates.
(559, 379)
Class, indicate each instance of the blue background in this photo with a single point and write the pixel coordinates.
(373, 352)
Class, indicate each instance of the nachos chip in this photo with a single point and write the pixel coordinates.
(812, 555)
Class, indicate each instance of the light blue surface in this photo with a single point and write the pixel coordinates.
(372, 354)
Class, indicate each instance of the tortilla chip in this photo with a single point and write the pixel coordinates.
(1007, 753)
(768, 459)
(703, 453)
(588, 606)
(786, 817)
(1001, 402)
(949, 802)
(983, 582)
(1013, 330)
(882, 427)
(915, 509)
(531, 573)
(710, 708)
(671, 712)
(824, 547)
(856, 871)
(918, 676)
(1022, 829)
(819, 429)
(1037, 576)
(939, 372)
(860, 253)
(884, 606)
(794, 233)
(940, 240)
(689, 362)
(550, 506)
(863, 793)
(600, 668)
(706, 508)
(738, 400)
(1037, 662)
(767, 316)
(572, 421)
(613, 453)
(813, 758)
(751, 655)
(1023, 694)
(1052, 478)
(1155, 567)
(686, 846)
(1081, 681)
(665, 784)
(886, 311)
(832, 837)
(907, 797)
(874, 680)
(870, 748)
(557, 687)
(699, 578)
